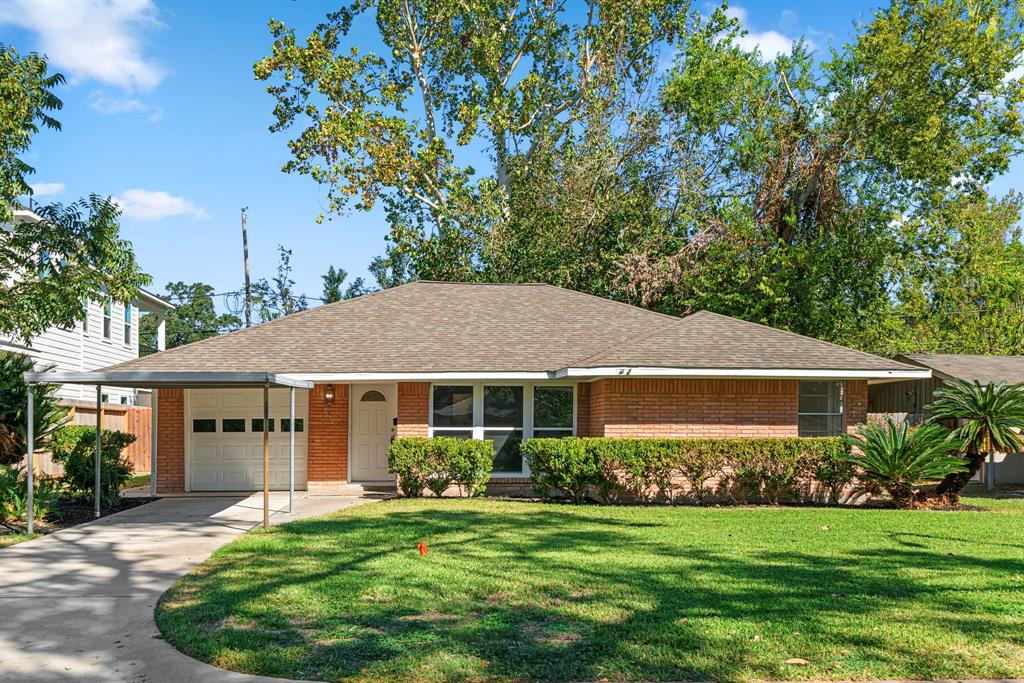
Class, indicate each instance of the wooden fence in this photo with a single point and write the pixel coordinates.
(132, 419)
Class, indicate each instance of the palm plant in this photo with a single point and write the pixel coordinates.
(49, 414)
(899, 458)
(990, 418)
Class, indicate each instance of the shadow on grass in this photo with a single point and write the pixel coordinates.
(558, 595)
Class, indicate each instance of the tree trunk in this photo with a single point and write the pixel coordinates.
(954, 483)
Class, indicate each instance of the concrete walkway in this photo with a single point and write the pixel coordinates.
(78, 604)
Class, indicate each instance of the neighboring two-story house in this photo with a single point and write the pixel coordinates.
(108, 334)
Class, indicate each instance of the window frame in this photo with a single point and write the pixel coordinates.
(127, 329)
(108, 315)
(842, 408)
(478, 428)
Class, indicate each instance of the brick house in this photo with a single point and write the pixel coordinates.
(501, 363)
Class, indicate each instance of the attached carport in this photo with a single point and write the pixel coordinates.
(172, 380)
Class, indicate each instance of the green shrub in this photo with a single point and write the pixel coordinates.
(647, 469)
(439, 454)
(74, 447)
(697, 466)
(408, 461)
(899, 458)
(472, 463)
(14, 495)
(437, 463)
(830, 466)
(565, 464)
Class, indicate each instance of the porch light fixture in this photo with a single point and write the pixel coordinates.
(329, 394)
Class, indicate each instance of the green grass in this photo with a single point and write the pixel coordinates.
(7, 540)
(137, 480)
(532, 591)
(1006, 498)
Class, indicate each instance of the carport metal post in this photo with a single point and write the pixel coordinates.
(99, 458)
(30, 444)
(266, 455)
(291, 451)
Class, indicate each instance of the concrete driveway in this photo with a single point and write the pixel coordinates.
(78, 604)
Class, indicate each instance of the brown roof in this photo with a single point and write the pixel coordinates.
(450, 327)
(985, 369)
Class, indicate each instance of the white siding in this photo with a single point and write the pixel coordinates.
(75, 350)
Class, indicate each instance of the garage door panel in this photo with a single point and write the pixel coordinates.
(233, 461)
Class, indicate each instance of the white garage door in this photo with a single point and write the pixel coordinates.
(225, 439)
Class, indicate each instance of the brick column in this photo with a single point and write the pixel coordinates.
(856, 403)
(327, 439)
(170, 441)
(413, 406)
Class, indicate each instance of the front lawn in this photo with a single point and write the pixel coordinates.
(515, 590)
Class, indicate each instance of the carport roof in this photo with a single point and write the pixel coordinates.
(186, 380)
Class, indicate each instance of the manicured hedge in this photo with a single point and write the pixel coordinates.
(437, 463)
(645, 470)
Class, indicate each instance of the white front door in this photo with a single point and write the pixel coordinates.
(372, 426)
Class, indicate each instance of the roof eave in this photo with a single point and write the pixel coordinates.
(743, 373)
(150, 380)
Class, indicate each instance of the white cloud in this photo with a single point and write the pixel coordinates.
(737, 12)
(97, 39)
(155, 205)
(107, 104)
(46, 189)
(1014, 74)
(770, 44)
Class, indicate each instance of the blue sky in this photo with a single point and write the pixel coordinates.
(162, 111)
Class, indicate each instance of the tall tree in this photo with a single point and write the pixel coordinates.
(334, 280)
(194, 316)
(335, 289)
(276, 297)
(774, 190)
(75, 253)
(26, 100)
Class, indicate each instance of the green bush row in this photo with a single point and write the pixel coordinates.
(435, 464)
(741, 469)
(74, 447)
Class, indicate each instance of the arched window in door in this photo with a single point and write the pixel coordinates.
(373, 396)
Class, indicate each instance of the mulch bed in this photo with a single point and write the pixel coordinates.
(72, 512)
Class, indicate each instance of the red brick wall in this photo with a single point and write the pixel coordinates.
(170, 441)
(710, 408)
(667, 408)
(413, 406)
(327, 438)
(855, 403)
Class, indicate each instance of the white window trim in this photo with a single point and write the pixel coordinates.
(126, 328)
(478, 413)
(842, 406)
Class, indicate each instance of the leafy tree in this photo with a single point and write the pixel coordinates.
(194, 317)
(899, 458)
(277, 298)
(964, 291)
(334, 280)
(26, 97)
(48, 413)
(788, 192)
(75, 253)
(990, 418)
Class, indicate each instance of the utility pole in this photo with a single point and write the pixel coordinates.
(245, 259)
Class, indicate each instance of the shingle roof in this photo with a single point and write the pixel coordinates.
(985, 369)
(450, 327)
